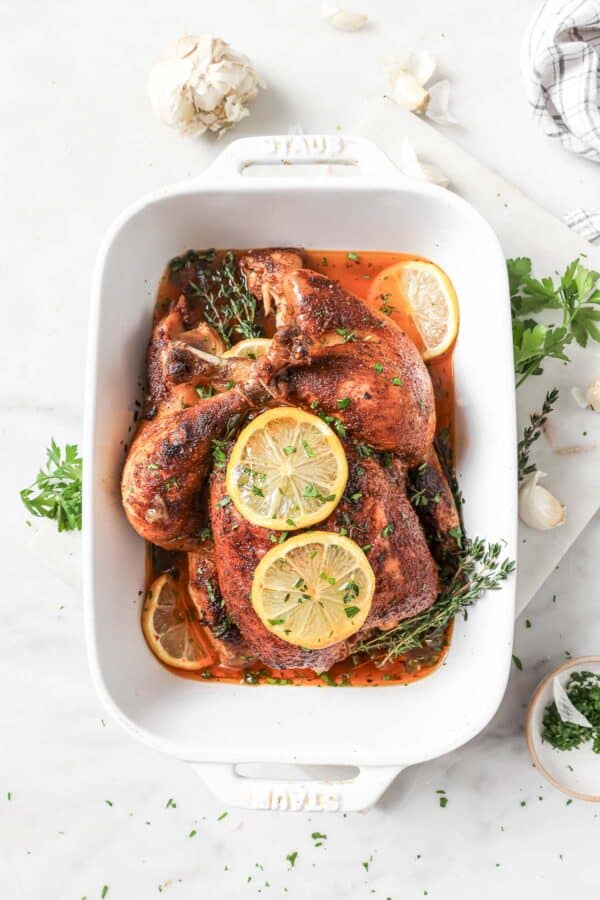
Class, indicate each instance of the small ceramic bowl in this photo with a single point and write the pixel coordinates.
(576, 772)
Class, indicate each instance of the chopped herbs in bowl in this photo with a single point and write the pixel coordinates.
(563, 728)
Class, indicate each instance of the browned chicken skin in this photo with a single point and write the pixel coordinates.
(171, 456)
(380, 519)
(329, 346)
(205, 592)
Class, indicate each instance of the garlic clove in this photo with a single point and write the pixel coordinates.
(342, 19)
(418, 63)
(592, 395)
(579, 397)
(409, 164)
(408, 93)
(438, 108)
(538, 508)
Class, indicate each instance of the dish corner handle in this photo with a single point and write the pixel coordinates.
(350, 795)
(301, 149)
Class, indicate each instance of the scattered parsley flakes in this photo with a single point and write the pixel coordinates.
(378, 368)
(344, 403)
(224, 501)
(292, 857)
(289, 450)
(443, 802)
(517, 662)
(222, 816)
(353, 257)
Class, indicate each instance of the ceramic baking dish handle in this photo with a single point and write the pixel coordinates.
(350, 795)
(301, 149)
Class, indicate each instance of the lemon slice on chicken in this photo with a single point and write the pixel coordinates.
(169, 628)
(421, 298)
(287, 470)
(313, 590)
(251, 348)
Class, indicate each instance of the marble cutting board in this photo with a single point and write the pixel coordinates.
(569, 449)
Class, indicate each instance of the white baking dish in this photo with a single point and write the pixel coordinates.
(217, 726)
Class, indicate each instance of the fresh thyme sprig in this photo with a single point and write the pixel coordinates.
(479, 569)
(532, 432)
(576, 295)
(56, 492)
(228, 305)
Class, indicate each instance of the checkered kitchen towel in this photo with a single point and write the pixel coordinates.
(561, 67)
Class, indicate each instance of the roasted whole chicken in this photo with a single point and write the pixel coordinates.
(327, 344)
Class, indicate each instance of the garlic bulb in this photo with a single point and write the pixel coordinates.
(590, 398)
(410, 164)
(342, 19)
(408, 73)
(538, 508)
(201, 84)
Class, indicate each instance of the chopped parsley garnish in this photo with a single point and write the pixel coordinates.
(583, 689)
(289, 450)
(346, 334)
(344, 403)
(378, 368)
(205, 392)
(386, 307)
(517, 662)
(353, 257)
(387, 530)
(224, 501)
(275, 621)
(351, 611)
(311, 490)
(218, 453)
(397, 382)
(258, 491)
(328, 578)
(307, 449)
(292, 857)
(222, 816)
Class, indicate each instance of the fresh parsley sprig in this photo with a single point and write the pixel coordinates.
(576, 295)
(56, 492)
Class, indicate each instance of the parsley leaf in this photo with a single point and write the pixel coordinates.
(575, 294)
(56, 492)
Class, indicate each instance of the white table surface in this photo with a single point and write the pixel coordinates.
(78, 144)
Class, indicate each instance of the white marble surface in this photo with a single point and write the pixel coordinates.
(77, 145)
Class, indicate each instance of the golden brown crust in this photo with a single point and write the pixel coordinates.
(240, 546)
(205, 593)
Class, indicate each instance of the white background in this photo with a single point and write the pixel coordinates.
(77, 144)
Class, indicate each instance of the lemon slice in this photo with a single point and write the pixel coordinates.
(313, 590)
(287, 470)
(420, 291)
(167, 623)
(252, 348)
